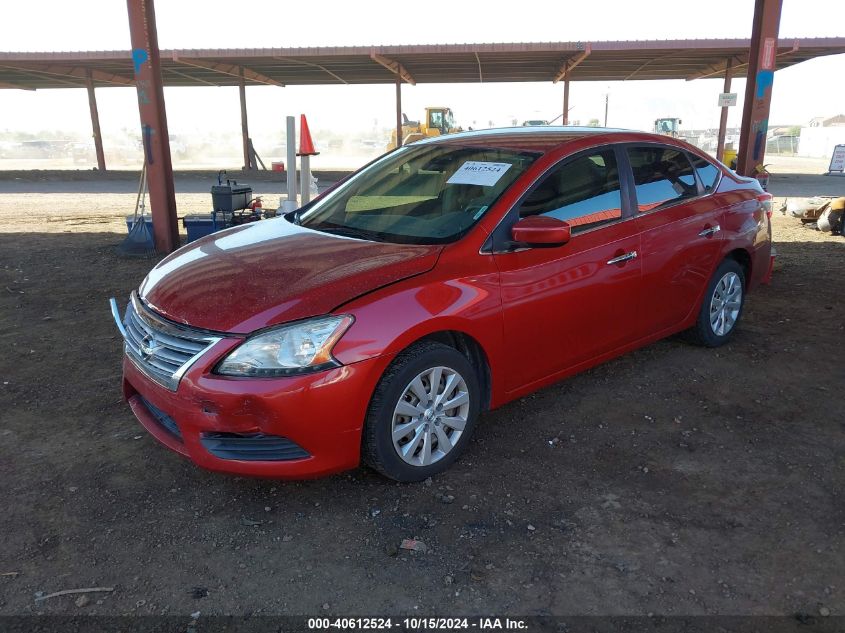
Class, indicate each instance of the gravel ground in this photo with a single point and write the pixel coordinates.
(673, 480)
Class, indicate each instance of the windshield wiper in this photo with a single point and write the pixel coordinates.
(348, 231)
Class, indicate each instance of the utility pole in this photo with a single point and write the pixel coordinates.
(606, 103)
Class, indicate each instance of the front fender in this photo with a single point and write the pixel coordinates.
(389, 320)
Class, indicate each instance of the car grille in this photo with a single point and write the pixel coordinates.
(162, 350)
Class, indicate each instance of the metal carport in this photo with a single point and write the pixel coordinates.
(447, 63)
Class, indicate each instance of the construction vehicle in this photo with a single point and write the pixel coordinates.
(669, 126)
(438, 121)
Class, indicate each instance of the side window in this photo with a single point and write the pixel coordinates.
(662, 176)
(707, 172)
(584, 192)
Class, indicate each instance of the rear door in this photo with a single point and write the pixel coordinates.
(568, 304)
(681, 235)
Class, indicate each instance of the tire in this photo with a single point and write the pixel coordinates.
(395, 404)
(710, 330)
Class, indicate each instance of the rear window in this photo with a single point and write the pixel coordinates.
(662, 176)
(707, 172)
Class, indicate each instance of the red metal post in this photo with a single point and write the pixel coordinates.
(398, 110)
(566, 99)
(758, 88)
(95, 122)
(723, 119)
(244, 124)
(156, 141)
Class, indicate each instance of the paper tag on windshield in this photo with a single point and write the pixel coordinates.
(474, 172)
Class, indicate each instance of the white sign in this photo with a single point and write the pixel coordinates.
(768, 61)
(837, 161)
(727, 99)
(474, 172)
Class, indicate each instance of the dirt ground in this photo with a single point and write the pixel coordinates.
(673, 480)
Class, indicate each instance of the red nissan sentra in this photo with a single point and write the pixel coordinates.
(444, 279)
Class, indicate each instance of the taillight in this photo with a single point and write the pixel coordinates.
(765, 200)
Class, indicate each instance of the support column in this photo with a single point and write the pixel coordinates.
(244, 123)
(723, 119)
(145, 58)
(398, 111)
(566, 99)
(758, 87)
(290, 168)
(95, 122)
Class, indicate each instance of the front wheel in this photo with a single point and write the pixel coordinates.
(422, 413)
(722, 306)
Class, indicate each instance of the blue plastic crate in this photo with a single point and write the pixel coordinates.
(204, 224)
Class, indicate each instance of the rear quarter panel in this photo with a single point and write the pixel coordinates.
(745, 224)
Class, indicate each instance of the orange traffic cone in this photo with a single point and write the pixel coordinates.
(306, 145)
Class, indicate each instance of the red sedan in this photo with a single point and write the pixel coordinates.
(444, 279)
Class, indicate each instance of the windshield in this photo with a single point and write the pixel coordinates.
(424, 194)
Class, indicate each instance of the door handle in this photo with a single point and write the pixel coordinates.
(622, 258)
(711, 231)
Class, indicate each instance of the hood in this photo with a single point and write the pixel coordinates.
(270, 272)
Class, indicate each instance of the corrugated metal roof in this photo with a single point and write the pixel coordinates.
(434, 63)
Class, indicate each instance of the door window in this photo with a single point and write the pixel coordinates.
(662, 176)
(707, 172)
(585, 192)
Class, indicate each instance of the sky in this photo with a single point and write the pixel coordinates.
(810, 89)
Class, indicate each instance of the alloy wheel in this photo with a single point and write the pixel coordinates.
(725, 303)
(431, 416)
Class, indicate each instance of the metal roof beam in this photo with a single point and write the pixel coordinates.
(395, 67)
(737, 61)
(643, 65)
(228, 69)
(42, 76)
(569, 64)
(480, 76)
(10, 85)
(173, 71)
(313, 65)
(78, 72)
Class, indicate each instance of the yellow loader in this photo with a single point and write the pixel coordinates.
(438, 121)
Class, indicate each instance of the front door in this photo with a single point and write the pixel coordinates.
(565, 305)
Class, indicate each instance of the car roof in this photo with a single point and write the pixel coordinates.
(540, 138)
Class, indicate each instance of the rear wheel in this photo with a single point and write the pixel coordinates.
(722, 307)
(422, 413)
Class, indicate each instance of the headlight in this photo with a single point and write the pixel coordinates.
(287, 350)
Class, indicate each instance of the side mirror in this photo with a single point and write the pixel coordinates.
(539, 230)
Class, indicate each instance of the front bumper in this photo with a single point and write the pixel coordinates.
(308, 425)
